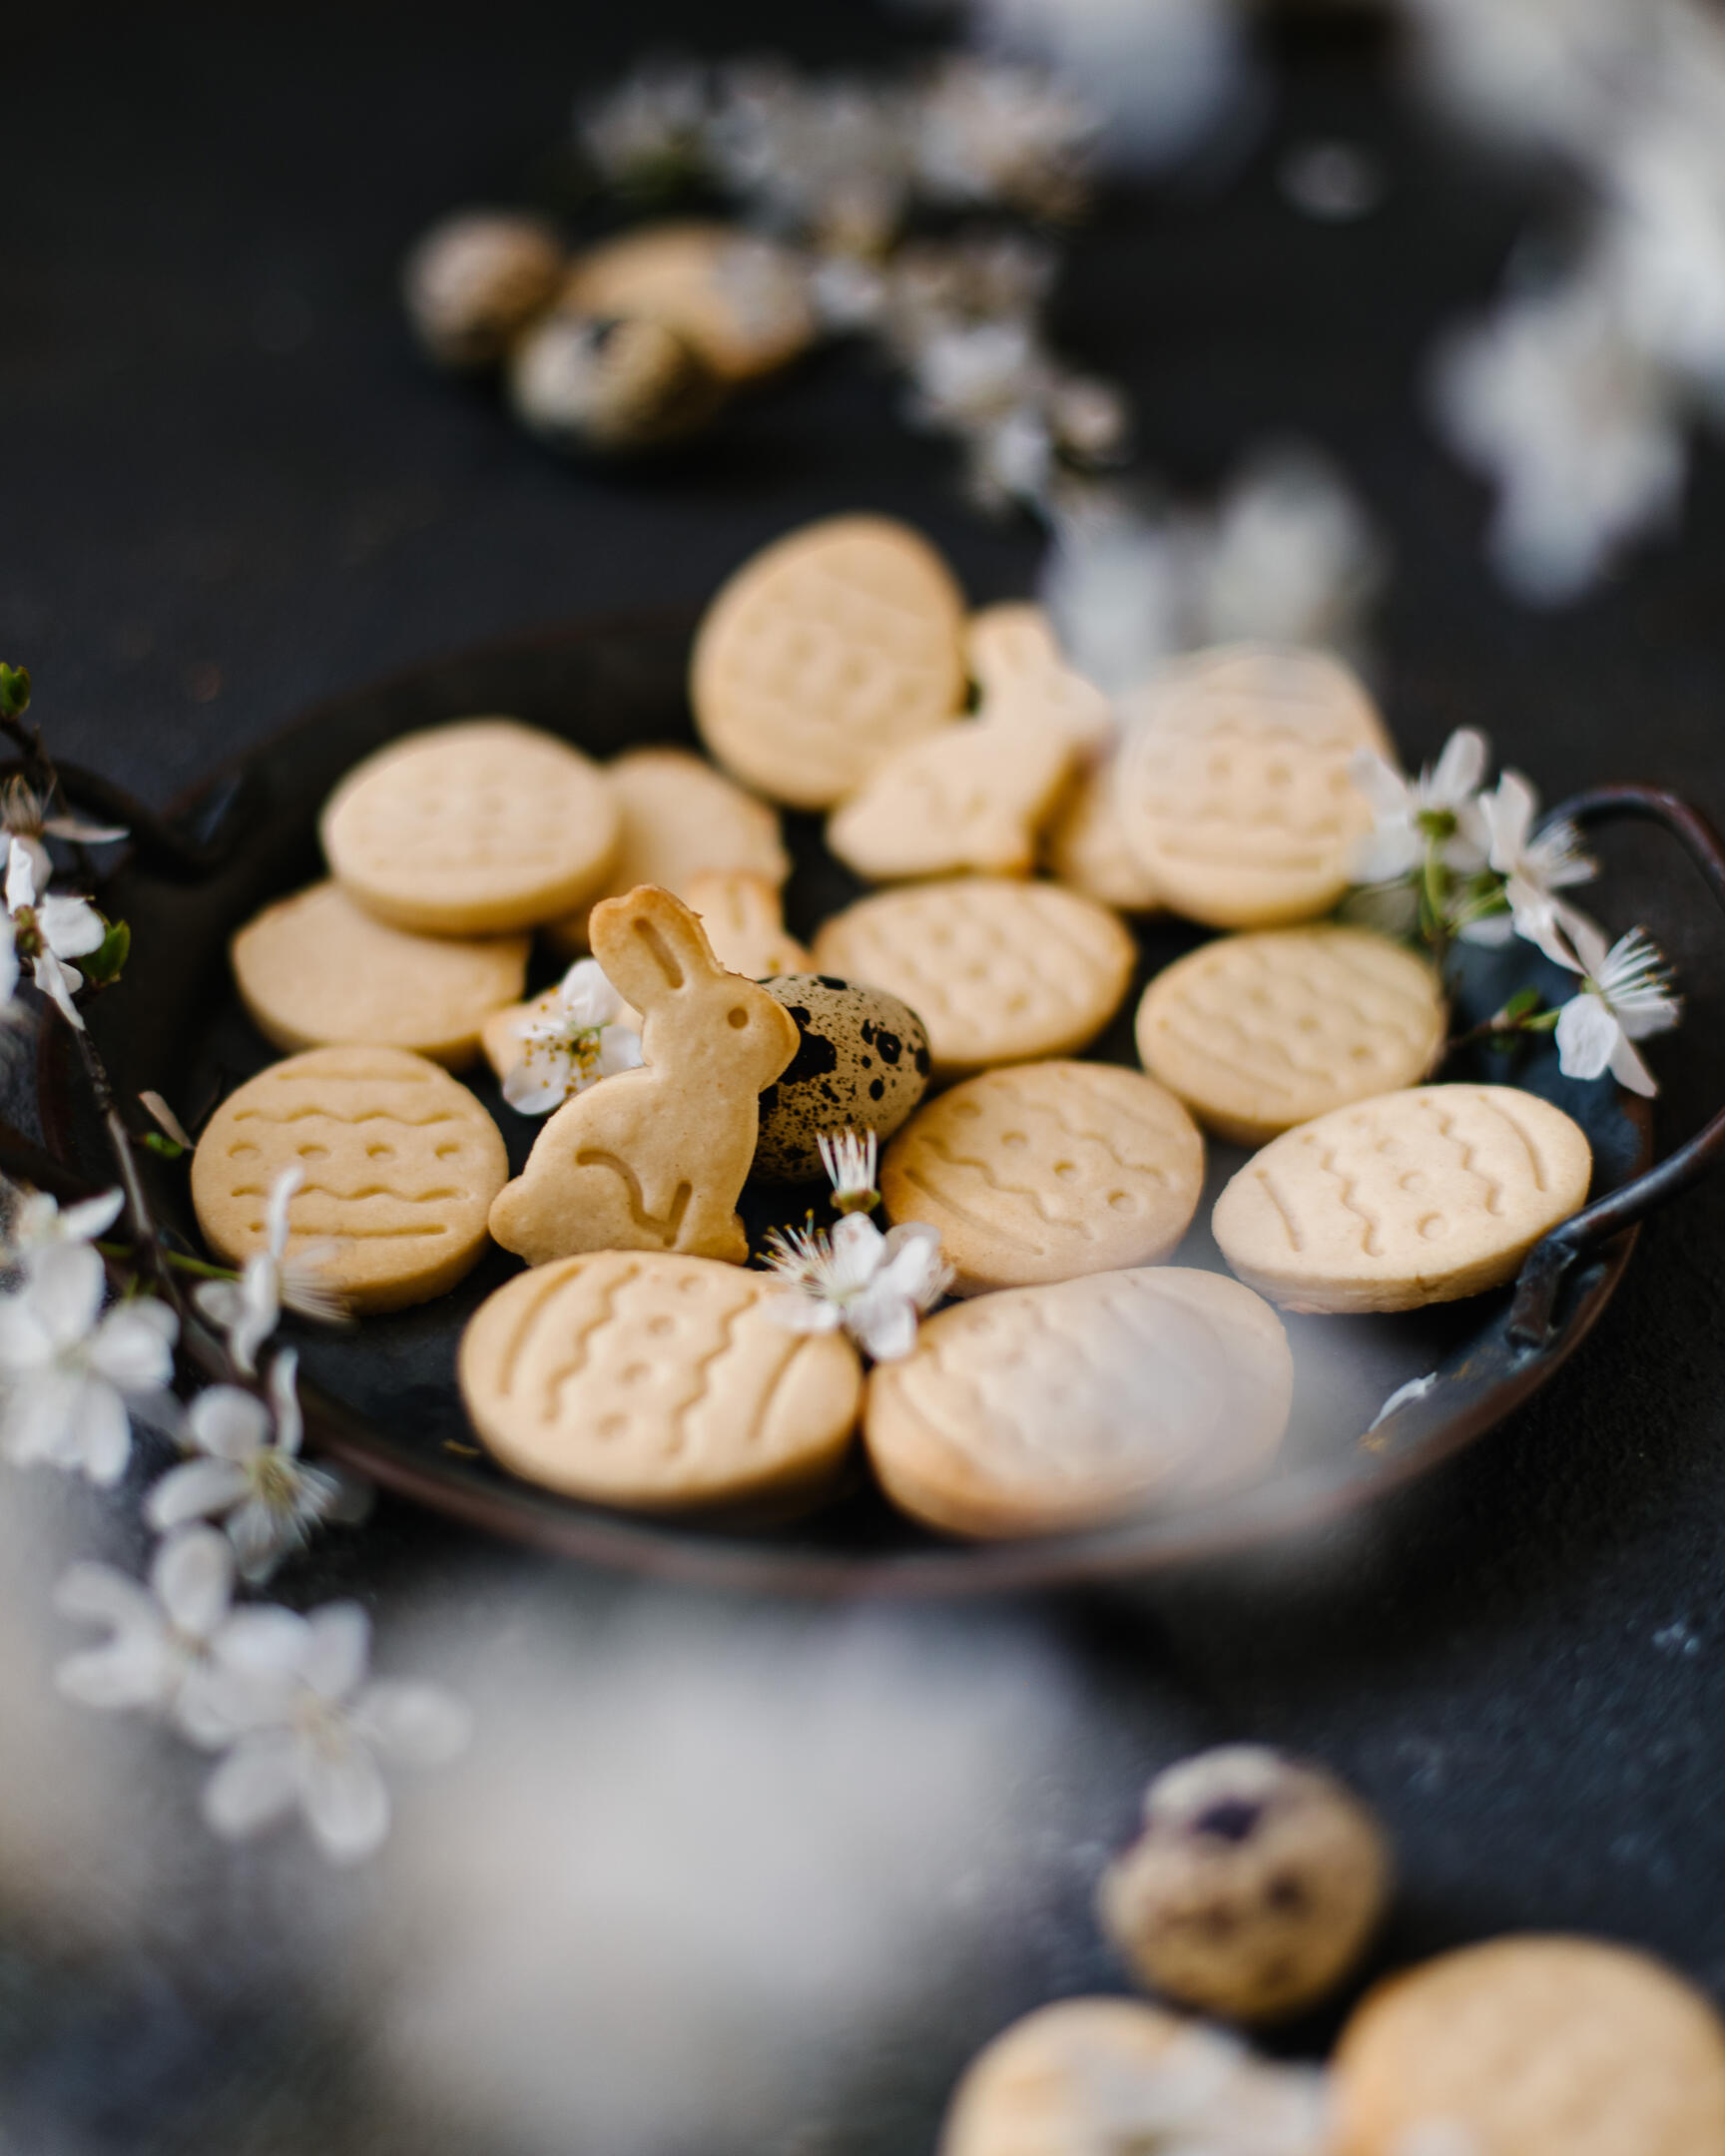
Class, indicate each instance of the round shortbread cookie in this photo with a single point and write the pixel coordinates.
(740, 299)
(823, 654)
(679, 818)
(998, 970)
(1532, 2046)
(1261, 1031)
(1044, 1171)
(657, 1382)
(1234, 788)
(401, 1164)
(1085, 846)
(1039, 1410)
(1411, 1198)
(473, 829)
(1113, 2077)
(314, 971)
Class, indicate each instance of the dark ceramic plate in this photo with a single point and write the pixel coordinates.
(384, 1398)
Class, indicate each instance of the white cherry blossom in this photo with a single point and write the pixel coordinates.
(159, 1655)
(1534, 867)
(309, 1730)
(39, 1224)
(1625, 996)
(44, 933)
(1440, 805)
(247, 1309)
(68, 1373)
(26, 823)
(249, 1475)
(570, 1040)
(877, 1287)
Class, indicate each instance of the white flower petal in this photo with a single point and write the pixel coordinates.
(1459, 770)
(859, 1252)
(1509, 812)
(193, 1579)
(1382, 785)
(65, 1291)
(197, 1489)
(915, 1265)
(337, 1650)
(100, 1594)
(38, 1416)
(73, 926)
(20, 879)
(285, 1401)
(262, 1536)
(132, 1345)
(255, 1784)
(1629, 1069)
(137, 1669)
(883, 1323)
(346, 1801)
(798, 1312)
(228, 1423)
(619, 1050)
(1490, 932)
(1387, 854)
(264, 1645)
(83, 832)
(281, 1194)
(418, 1724)
(94, 1217)
(1587, 1037)
(538, 1086)
(101, 1435)
(59, 982)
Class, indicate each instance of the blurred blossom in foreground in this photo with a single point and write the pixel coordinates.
(1286, 555)
(684, 1854)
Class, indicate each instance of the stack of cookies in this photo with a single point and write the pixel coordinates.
(1012, 818)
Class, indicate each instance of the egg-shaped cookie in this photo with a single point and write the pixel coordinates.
(740, 299)
(1258, 1032)
(474, 829)
(1044, 1171)
(314, 971)
(1411, 1198)
(679, 818)
(998, 970)
(1532, 2045)
(1234, 787)
(399, 1163)
(823, 654)
(1042, 1409)
(861, 1064)
(657, 1382)
(1040, 2086)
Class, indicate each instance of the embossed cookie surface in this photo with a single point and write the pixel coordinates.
(680, 818)
(1532, 2046)
(401, 1164)
(473, 829)
(1047, 1408)
(1084, 845)
(1047, 1170)
(1411, 1198)
(997, 970)
(655, 1382)
(315, 971)
(1258, 1032)
(823, 654)
(1234, 788)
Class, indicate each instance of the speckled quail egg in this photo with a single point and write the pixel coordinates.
(609, 385)
(474, 282)
(861, 1063)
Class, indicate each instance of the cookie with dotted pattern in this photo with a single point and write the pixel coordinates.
(823, 654)
(1258, 1032)
(1536, 2045)
(399, 1162)
(1411, 1198)
(656, 1381)
(315, 971)
(680, 818)
(1044, 1171)
(1041, 1409)
(1234, 787)
(998, 970)
(474, 829)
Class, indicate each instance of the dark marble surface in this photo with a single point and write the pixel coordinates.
(228, 488)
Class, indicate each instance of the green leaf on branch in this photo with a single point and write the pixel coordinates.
(14, 691)
(158, 1142)
(1522, 1004)
(110, 955)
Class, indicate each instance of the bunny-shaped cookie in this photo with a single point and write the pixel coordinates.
(653, 1159)
(974, 795)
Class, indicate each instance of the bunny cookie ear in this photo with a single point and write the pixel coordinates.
(1025, 681)
(1003, 641)
(651, 945)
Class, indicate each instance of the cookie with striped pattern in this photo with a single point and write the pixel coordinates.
(1258, 1032)
(399, 1165)
(1417, 1197)
(1234, 788)
(1043, 1410)
(823, 654)
(998, 970)
(1042, 1171)
(657, 1382)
